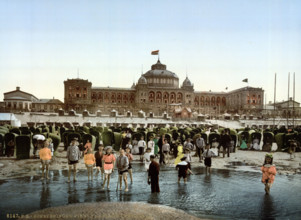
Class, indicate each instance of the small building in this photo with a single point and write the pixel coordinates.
(47, 105)
(182, 112)
(18, 100)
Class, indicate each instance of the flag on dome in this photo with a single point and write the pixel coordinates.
(245, 80)
(155, 52)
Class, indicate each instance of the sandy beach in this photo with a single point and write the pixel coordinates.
(252, 160)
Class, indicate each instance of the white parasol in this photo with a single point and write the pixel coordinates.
(39, 137)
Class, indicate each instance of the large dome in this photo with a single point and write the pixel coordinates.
(159, 76)
(159, 70)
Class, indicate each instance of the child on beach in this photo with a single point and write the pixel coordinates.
(208, 154)
(151, 145)
(128, 145)
(183, 169)
(268, 172)
(141, 146)
(89, 159)
(73, 156)
(165, 149)
(130, 157)
(98, 157)
(45, 157)
(122, 165)
(50, 146)
(147, 159)
(108, 163)
(88, 146)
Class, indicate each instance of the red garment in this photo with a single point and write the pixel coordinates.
(268, 173)
(108, 161)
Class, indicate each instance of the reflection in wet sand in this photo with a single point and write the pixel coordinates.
(221, 194)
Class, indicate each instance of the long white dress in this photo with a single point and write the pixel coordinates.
(151, 145)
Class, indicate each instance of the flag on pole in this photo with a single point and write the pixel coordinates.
(226, 88)
(155, 52)
(245, 80)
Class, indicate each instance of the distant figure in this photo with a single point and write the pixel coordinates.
(200, 144)
(151, 145)
(156, 148)
(166, 150)
(10, 149)
(35, 147)
(183, 169)
(89, 159)
(130, 157)
(226, 141)
(147, 159)
(268, 172)
(188, 145)
(87, 146)
(292, 148)
(135, 146)
(243, 145)
(73, 156)
(180, 152)
(255, 145)
(122, 166)
(108, 163)
(98, 157)
(160, 144)
(128, 145)
(50, 146)
(208, 154)
(153, 175)
(45, 157)
(141, 146)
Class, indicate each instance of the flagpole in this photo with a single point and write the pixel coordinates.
(274, 100)
(294, 102)
(288, 100)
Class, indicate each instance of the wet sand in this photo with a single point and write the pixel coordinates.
(111, 211)
(12, 168)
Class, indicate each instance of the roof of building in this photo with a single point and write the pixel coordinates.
(245, 88)
(142, 80)
(48, 101)
(187, 82)
(113, 88)
(18, 90)
(159, 70)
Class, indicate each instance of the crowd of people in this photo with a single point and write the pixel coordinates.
(157, 148)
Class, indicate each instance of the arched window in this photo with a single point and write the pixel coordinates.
(223, 101)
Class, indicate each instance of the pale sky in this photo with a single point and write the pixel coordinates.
(216, 43)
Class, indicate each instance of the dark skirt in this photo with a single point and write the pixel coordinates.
(141, 150)
(72, 162)
(208, 162)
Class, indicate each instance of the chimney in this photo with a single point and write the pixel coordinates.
(17, 88)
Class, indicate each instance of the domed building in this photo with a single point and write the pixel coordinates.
(158, 91)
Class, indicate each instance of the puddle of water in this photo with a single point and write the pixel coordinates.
(225, 194)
